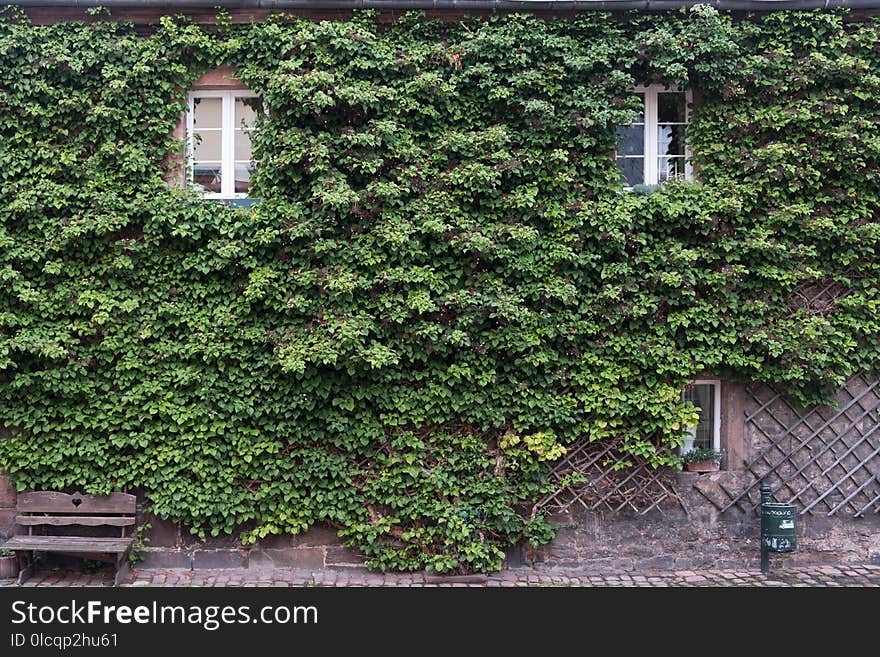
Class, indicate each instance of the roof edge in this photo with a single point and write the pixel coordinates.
(460, 5)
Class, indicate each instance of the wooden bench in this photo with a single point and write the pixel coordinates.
(46, 509)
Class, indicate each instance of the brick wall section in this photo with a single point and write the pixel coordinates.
(7, 506)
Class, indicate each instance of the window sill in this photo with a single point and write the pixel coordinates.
(641, 189)
(245, 202)
(685, 479)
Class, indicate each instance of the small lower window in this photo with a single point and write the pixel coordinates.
(706, 396)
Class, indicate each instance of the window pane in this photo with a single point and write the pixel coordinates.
(245, 112)
(215, 151)
(671, 107)
(243, 171)
(243, 145)
(207, 145)
(669, 168)
(633, 170)
(703, 397)
(206, 175)
(631, 140)
(670, 139)
(207, 113)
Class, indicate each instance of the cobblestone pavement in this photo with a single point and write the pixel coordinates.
(819, 576)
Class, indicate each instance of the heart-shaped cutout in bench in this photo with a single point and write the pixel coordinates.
(76, 501)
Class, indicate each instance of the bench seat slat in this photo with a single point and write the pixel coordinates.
(86, 521)
(68, 544)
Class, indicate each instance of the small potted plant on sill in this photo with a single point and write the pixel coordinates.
(702, 459)
(8, 564)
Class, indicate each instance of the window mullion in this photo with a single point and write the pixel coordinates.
(651, 137)
(190, 118)
(716, 433)
(688, 100)
(227, 179)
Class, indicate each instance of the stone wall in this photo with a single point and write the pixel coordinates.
(699, 537)
(172, 546)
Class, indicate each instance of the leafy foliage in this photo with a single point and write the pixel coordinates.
(443, 285)
(699, 454)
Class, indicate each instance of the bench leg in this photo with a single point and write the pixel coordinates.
(123, 570)
(25, 566)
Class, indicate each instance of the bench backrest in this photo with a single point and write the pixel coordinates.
(55, 508)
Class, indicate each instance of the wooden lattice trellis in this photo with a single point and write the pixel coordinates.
(638, 487)
(823, 459)
(820, 297)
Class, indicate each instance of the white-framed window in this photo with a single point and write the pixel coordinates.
(705, 394)
(654, 149)
(218, 129)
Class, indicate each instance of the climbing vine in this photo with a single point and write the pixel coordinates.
(443, 285)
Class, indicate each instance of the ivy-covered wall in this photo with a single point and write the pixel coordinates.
(443, 285)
